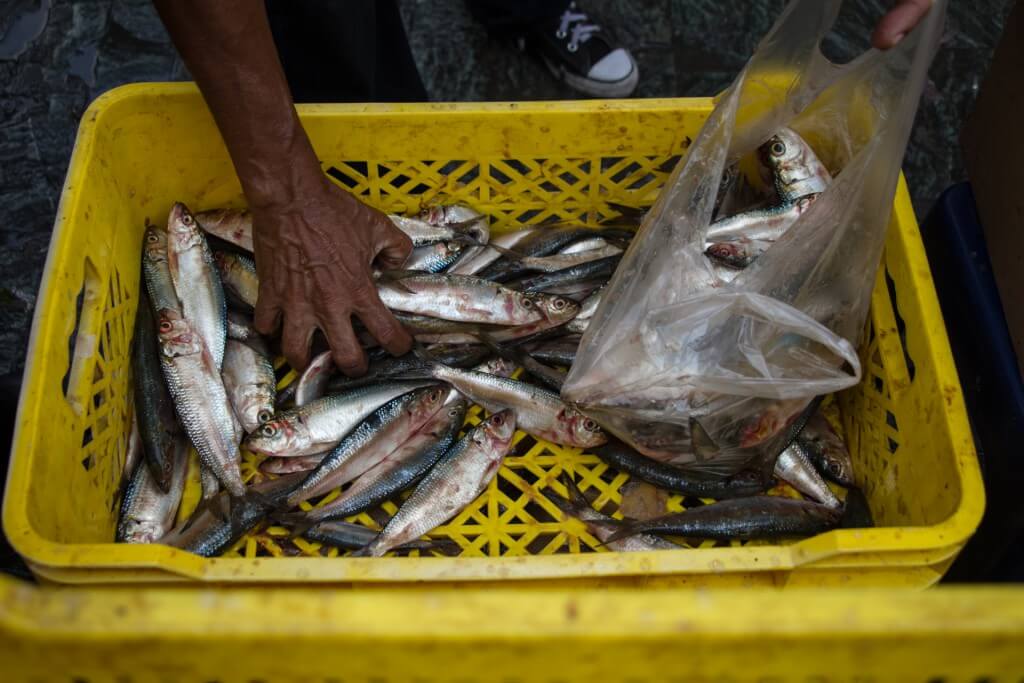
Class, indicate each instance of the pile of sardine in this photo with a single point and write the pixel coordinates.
(479, 309)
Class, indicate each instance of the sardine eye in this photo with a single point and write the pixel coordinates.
(527, 303)
(497, 420)
(264, 416)
(152, 238)
(453, 412)
(778, 148)
(559, 304)
(268, 431)
(589, 425)
(187, 219)
(165, 326)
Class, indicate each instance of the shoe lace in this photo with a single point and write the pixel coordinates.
(576, 25)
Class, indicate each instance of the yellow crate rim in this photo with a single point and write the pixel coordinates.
(299, 634)
(878, 547)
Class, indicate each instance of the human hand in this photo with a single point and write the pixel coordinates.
(898, 22)
(313, 258)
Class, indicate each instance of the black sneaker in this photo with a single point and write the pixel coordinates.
(583, 55)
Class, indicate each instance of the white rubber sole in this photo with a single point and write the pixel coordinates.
(623, 87)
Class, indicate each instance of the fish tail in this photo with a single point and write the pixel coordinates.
(298, 522)
(366, 551)
(218, 506)
(625, 530)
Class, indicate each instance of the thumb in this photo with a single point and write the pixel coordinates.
(393, 247)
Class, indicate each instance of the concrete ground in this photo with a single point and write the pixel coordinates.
(56, 56)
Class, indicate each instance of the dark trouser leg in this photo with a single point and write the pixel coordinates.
(508, 17)
(345, 51)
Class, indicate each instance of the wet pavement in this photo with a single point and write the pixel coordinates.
(56, 56)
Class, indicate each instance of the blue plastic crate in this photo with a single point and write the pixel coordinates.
(992, 385)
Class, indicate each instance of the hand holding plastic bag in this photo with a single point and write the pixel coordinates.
(692, 365)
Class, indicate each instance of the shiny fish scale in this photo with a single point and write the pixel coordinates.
(458, 298)
(602, 527)
(351, 446)
(537, 410)
(325, 421)
(238, 275)
(205, 413)
(154, 408)
(454, 482)
(331, 414)
(435, 258)
(197, 283)
(400, 468)
(159, 284)
(147, 512)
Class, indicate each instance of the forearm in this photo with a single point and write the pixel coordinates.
(229, 50)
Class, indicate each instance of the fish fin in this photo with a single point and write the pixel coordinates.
(423, 353)
(726, 463)
(219, 244)
(445, 546)
(636, 212)
(395, 277)
(463, 227)
(236, 511)
(424, 371)
(625, 530)
(365, 551)
(576, 496)
(505, 251)
(566, 506)
(469, 240)
(298, 522)
(260, 498)
(502, 350)
(218, 506)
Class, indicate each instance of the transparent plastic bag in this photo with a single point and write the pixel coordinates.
(692, 366)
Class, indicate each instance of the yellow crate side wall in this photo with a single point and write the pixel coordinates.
(192, 635)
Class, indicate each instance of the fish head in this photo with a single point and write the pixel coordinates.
(556, 309)
(457, 213)
(497, 430)
(140, 530)
(154, 244)
(252, 407)
(426, 402)
(225, 261)
(454, 408)
(499, 367)
(783, 148)
(182, 227)
(285, 435)
(177, 338)
(836, 467)
(522, 307)
(797, 169)
(433, 215)
(450, 249)
(732, 254)
(583, 431)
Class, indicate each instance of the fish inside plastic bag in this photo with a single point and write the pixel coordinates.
(710, 367)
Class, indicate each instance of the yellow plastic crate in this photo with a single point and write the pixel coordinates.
(307, 634)
(141, 147)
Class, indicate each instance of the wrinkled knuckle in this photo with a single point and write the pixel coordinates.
(388, 332)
